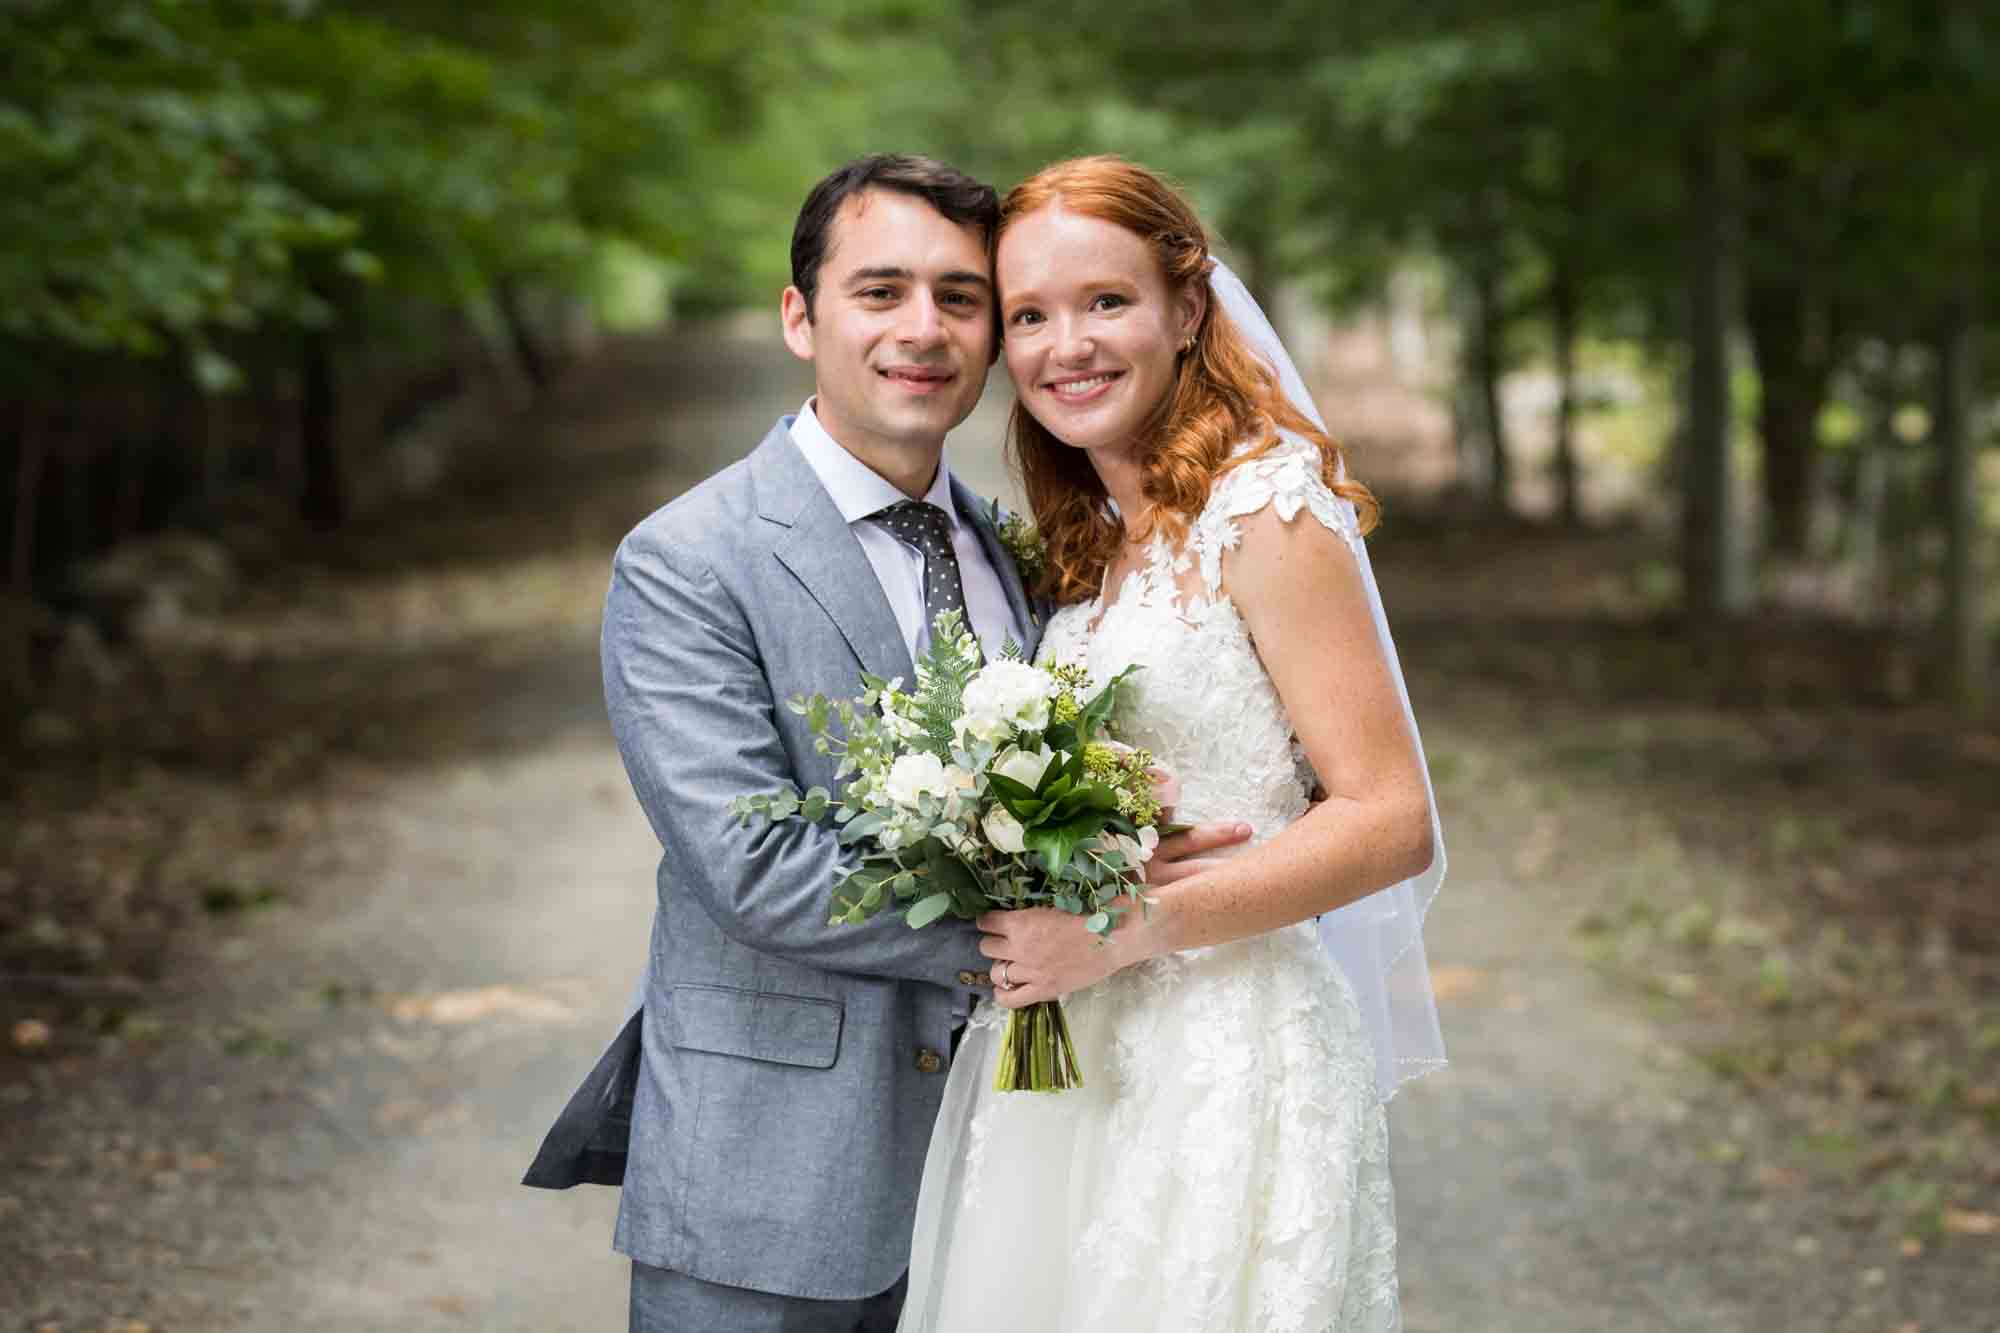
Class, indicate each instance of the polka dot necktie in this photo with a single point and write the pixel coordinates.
(925, 527)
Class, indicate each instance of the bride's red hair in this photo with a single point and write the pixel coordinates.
(1223, 393)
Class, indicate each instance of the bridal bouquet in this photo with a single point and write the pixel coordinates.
(988, 786)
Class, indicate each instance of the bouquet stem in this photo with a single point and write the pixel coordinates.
(1037, 1055)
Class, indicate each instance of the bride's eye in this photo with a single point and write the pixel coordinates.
(1109, 301)
(1024, 317)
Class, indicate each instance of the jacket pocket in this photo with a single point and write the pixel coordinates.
(756, 1025)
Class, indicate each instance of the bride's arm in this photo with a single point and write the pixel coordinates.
(1301, 595)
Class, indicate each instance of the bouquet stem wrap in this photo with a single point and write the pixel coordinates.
(1037, 1054)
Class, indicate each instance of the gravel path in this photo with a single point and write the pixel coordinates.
(328, 1133)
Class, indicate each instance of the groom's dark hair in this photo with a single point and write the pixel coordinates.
(959, 197)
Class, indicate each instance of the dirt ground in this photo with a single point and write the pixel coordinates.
(308, 929)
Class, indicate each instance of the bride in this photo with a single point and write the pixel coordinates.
(1225, 1166)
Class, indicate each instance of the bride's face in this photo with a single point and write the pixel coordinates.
(1090, 328)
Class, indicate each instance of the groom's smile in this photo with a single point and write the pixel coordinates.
(917, 379)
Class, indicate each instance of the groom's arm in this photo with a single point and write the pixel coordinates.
(696, 723)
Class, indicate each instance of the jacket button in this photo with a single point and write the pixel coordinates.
(928, 1061)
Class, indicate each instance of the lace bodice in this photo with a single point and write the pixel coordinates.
(1203, 703)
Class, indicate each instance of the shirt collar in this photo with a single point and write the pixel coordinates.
(858, 490)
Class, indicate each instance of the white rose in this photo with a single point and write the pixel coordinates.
(1003, 830)
(913, 775)
(1023, 767)
(1003, 695)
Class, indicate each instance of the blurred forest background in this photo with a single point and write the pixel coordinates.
(1744, 249)
(1667, 328)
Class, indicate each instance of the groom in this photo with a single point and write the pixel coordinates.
(768, 1106)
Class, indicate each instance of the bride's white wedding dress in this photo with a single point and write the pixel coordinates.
(1225, 1168)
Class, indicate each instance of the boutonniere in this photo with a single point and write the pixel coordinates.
(1024, 544)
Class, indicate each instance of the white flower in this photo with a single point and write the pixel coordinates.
(1003, 830)
(1138, 850)
(915, 775)
(1023, 767)
(959, 787)
(1005, 696)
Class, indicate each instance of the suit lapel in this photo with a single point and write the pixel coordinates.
(813, 541)
(1026, 617)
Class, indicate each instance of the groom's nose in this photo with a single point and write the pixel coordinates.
(922, 324)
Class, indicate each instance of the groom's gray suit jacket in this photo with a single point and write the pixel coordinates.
(768, 1105)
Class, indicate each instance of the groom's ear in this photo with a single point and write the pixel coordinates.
(797, 318)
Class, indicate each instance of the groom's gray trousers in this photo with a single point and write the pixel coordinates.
(768, 1104)
(668, 1302)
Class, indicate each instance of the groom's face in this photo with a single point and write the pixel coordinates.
(900, 332)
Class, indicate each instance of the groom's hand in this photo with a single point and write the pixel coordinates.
(1182, 854)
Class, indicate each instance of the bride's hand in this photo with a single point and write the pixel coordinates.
(1182, 854)
(1045, 954)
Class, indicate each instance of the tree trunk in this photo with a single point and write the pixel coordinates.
(323, 498)
(31, 452)
(1488, 330)
(1958, 448)
(1715, 581)
(1563, 318)
(1792, 368)
(520, 330)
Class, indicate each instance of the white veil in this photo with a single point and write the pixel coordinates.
(1377, 941)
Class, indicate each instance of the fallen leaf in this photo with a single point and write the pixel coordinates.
(399, 1112)
(454, 1007)
(1779, 1177)
(31, 1034)
(1966, 1222)
(1912, 1247)
(1449, 983)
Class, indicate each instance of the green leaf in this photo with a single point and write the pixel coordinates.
(950, 875)
(1097, 711)
(926, 910)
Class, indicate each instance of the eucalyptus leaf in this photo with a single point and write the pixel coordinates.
(926, 910)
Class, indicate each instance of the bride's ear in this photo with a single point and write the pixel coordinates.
(1193, 304)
